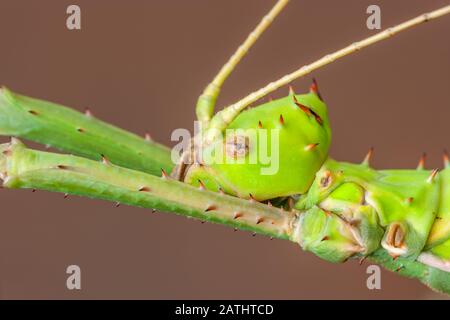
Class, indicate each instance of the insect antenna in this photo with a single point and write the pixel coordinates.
(207, 100)
(220, 121)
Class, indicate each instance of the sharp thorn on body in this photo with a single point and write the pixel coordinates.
(445, 159)
(87, 112)
(368, 157)
(291, 91)
(311, 146)
(201, 186)
(210, 208)
(105, 160)
(318, 118)
(432, 176)
(260, 124)
(421, 164)
(302, 107)
(308, 111)
(394, 256)
(237, 215)
(361, 261)
(314, 88)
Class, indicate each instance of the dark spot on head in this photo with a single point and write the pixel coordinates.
(326, 179)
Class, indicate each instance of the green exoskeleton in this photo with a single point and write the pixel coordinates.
(345, 210)
(397, 218)
(296, 129)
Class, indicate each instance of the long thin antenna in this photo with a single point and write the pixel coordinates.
(206, 102)
(221, 120)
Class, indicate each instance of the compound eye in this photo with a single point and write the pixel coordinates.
(237, 147)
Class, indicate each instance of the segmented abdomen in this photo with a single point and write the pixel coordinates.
(399, 218)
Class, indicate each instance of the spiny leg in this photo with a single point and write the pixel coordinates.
(21, 167)
(221, 120)
(80, 134)
(207, 100)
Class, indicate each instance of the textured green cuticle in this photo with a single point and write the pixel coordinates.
(397, 218)
(297, 136)
(286, 187)
(81, 134)
(25, 168)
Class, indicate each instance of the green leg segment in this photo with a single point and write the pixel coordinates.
(21, 167)
(80, 134)
(346, 220)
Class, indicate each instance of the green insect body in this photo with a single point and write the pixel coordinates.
(352, 210)
(302, 125)
(336, 210)
(346, 210)
(397, 218)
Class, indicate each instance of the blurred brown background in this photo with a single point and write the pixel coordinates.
(141, 65)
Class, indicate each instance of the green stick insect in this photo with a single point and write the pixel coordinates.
(397, 218)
